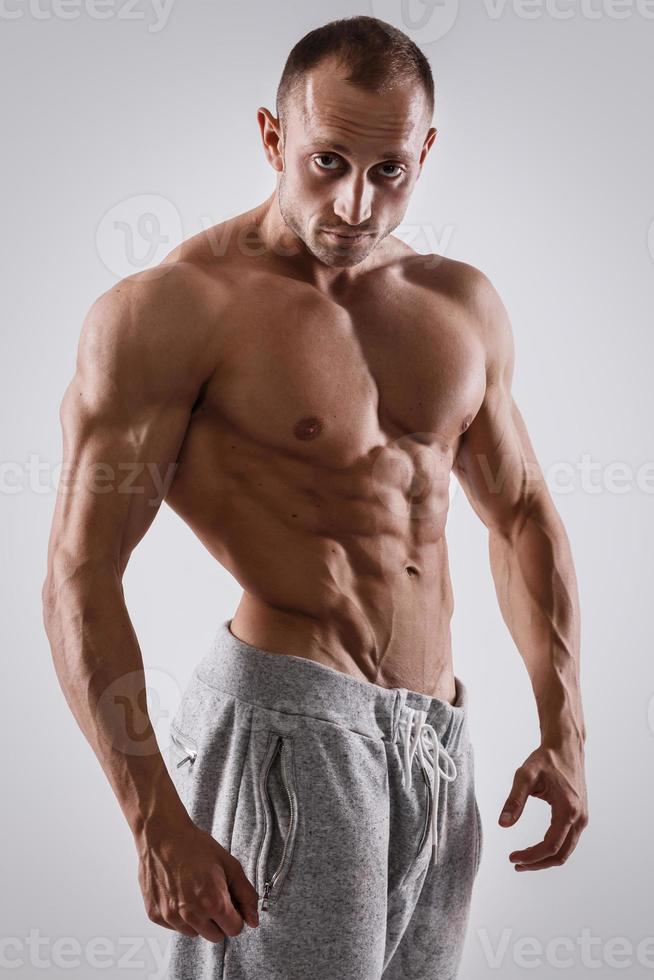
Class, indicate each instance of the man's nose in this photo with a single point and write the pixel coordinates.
(353, 201)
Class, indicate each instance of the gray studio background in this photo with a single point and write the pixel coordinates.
(127, 128)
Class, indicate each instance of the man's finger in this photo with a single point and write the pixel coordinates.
(181, 923)
(560, 857)
(227, 917)
(522, 783)
(245, 897)
(218, 905)
(205, 927)
(552, 842)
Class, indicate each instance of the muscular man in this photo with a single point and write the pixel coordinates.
(298, 385)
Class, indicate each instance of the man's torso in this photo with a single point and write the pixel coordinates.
(317, 460)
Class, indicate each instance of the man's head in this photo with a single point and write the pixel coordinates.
(354, 108)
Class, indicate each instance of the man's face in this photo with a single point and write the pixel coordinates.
(351, 159)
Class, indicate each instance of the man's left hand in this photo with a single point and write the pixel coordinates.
(555, 775)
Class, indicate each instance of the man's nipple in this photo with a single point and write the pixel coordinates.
(308, 428)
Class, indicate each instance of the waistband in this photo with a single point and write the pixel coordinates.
(296, 685)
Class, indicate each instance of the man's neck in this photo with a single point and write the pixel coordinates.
(276, 235)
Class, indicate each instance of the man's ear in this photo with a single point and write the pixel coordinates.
(271, 135)
(427, 145)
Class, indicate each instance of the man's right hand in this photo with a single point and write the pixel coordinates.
(191, 884)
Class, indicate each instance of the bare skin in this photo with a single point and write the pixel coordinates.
(301, 401)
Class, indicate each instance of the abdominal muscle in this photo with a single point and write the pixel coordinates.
(335, 567)
(394, 631)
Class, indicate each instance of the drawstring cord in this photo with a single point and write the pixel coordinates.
(420, 737)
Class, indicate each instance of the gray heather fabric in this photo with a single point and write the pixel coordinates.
(297, 767)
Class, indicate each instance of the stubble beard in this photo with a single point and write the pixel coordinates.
(333, 256)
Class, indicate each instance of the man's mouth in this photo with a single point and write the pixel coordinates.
(347, 237)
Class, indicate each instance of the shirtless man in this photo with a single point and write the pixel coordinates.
(302, 384)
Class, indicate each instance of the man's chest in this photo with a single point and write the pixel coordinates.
(329, 381)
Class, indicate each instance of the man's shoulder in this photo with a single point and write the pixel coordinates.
(218, 251)
(150, 327)
(475, 296)
(164, 295)
(452, 277)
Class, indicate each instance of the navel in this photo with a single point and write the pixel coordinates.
(308, 428)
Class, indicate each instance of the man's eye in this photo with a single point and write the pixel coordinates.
(335, 164)
(326, 156)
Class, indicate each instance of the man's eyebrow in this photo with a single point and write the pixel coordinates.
(341, 148)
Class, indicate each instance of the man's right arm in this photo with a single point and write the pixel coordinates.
(141, 362)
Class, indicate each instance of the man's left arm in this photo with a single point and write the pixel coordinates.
(535, 581)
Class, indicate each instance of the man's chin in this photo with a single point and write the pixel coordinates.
(343, 257)
(342, 261)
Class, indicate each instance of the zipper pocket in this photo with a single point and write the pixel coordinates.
(280, 747)
(429, 809)
(186, 745)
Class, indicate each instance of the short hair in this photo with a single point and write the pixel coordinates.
(377, 55)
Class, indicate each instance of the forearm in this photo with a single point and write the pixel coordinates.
(536, 586)
(100, 669)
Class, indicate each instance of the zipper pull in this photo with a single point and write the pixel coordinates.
(188, 758)
(266, 893)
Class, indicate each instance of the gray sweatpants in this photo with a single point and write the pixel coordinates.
(350, 806)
